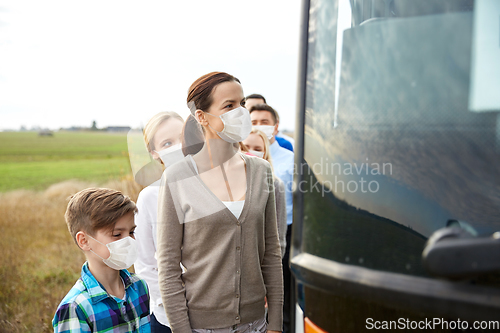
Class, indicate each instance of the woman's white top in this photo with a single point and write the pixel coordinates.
(145, 234)
(236, 207)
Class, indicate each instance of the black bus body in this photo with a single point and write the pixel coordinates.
(397, 177)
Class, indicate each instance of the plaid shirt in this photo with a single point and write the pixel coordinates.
(89, 308)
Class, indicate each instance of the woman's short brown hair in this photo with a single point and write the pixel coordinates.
(200, 98)
(94, 209)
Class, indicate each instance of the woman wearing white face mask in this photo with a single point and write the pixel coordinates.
(162, 135)
(217, 216)
(257, 144)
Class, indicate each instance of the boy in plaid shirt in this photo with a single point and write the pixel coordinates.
(106, 298)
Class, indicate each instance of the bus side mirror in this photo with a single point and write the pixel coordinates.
(454, 252)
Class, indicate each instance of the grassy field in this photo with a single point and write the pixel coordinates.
(32, 162)
(40, 262)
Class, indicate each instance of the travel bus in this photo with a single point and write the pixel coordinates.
(397, 167)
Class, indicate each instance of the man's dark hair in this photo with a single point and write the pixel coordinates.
(265, 107)
(256, 96)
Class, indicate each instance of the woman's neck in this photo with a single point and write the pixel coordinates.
(215, 152)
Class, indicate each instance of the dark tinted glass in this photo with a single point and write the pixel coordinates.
(393, 152)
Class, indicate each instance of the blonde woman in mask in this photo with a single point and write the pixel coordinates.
(217, 216)
(257, 144)
(162, 135)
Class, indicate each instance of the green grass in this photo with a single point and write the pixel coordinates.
(31, 162)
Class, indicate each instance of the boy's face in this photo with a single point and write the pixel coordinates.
(124, 227)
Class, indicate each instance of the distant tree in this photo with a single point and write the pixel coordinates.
(94, 126)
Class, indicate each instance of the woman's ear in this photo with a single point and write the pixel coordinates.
(82, 240)
(200, 117)
(156, 156)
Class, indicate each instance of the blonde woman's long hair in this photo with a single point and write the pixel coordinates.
(154, 123)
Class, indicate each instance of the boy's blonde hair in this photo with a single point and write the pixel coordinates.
(94, 208)
(152, 126)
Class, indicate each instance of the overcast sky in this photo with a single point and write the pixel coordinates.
(67, 63)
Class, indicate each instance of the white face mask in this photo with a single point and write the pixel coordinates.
(171, 154)
(267, 129)
(257, 153)
(237, 125)
(122, 253)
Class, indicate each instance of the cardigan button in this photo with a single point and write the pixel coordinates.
(238, 224)
(238, 248)
(237, 318)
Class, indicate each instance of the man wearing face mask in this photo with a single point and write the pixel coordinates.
(265, 118)
(283, 140)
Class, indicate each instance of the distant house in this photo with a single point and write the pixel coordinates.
(75, 129)
(118, 129)
(45, 133)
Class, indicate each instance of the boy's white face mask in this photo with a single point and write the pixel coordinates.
(237, 125)
(122, 253)
(171, 154)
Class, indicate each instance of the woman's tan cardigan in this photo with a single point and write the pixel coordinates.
(231, 264)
